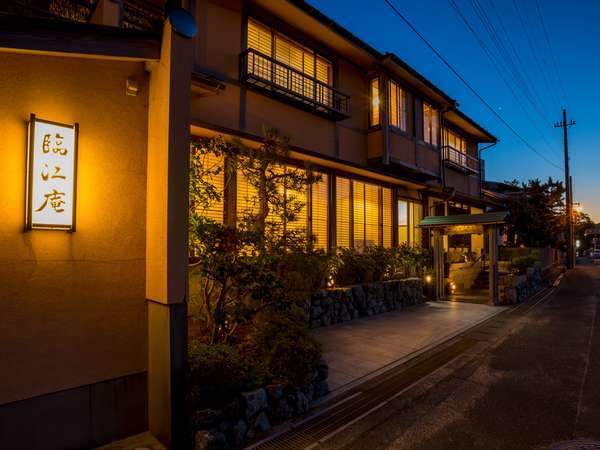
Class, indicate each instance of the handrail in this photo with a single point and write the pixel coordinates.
(292, 82)
(460, 159)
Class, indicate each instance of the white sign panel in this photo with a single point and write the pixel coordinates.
(52, 175)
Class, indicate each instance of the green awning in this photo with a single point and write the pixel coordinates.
(490, 218)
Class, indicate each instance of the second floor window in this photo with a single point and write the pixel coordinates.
(298, 69)
(431, 124)
(455, 141)
(397, 106)
(374, 106)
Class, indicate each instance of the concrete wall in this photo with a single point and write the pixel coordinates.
(73, 304)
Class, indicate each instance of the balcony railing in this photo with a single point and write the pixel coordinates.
(267, 73)
(460, 160)
(136, 14)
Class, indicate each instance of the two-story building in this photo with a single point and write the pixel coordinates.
(93, 319)
(390, 146)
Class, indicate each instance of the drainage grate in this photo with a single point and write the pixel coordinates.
(578, 444)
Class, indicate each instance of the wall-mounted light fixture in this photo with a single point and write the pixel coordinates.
(132, 87)
(51, 175)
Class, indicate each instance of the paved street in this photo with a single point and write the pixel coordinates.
(532, 386)
(361, 348)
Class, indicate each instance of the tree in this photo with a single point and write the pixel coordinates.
(536, 213)
(279, 188)
(247, 269)
(581, 223)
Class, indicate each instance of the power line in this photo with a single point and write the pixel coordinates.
(460, 77)
(497, 68)
(519, 73)
(562, 87)
(521, 80)
(540, 66)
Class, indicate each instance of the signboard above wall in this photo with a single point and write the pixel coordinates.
(51, 175)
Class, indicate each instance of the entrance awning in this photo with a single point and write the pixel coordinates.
(465, 224)
(491, 218)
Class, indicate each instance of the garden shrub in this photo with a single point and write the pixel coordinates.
(218, 372)
(303, 273)
(351, 267)
(284, 345)
(377, 263)
(519, 264)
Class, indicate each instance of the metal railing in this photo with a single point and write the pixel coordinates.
(460, 159)
(136, 14)
(70, 10)
(142, 15)
(267, 73)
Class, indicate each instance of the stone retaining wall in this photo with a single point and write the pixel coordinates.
(330, 306)
(254, 412)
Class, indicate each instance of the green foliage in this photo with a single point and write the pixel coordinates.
(237, 281)
(218, 372)
(351, 267)
(303, 273)
(519, 264)
(537, 213)
(282, 342)
(376, 263)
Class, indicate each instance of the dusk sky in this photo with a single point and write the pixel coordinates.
(574, 34)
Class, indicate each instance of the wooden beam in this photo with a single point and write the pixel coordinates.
(52, 37)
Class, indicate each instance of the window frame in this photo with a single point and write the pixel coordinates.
(430, 138)
(372, 107)
(315, 54)
(411, 226)
(400, 107)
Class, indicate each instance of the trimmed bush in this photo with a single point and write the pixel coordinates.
(218, 373)
(282, 342)
(519, 264)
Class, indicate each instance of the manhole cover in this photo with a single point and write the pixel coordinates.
(578, 444)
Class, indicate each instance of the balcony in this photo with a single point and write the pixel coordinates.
(268, 74)
(459, 160)
(141, 15)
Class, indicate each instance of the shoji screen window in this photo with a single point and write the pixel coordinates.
(369, 215)
(214, 165)
(386, 212)
(431, 124)
(374, 104)
(416, 215)
(319, 212)
(298, 68)
(260, 38)
(402, 222)
(297, 198)
(410, 215)
(342, 212)
(246, 197)
(397, 105)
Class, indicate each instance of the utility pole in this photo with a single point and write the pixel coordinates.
(569, 194)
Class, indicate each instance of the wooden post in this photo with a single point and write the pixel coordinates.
(438, 264)
(493, 263)
(166, 236)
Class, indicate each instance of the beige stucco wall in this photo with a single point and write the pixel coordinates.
(73, 304)
(402, 148)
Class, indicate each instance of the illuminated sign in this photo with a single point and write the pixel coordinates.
(51, 175)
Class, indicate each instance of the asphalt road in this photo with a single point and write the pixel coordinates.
(532, 386)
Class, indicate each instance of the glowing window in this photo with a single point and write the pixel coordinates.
(374, 106)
